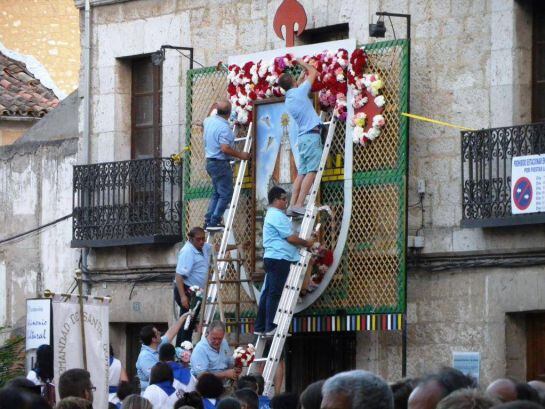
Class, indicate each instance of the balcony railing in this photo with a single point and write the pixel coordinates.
(486, 173)
(128, 202)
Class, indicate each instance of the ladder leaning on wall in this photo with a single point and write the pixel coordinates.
(220, 262)
(292, 288)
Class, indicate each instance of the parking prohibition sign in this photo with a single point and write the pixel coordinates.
(522, 193)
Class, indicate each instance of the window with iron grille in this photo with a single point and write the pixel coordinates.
(145, 109)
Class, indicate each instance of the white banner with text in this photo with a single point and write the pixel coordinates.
(68, 347)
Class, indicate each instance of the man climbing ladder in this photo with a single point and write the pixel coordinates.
(280, 243)
(299, 106)
(218, 145)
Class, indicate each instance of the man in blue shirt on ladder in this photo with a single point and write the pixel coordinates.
(218, 146)
(299, 106)
(280, 244)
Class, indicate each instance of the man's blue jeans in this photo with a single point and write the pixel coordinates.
(277, 274)
(222, 182)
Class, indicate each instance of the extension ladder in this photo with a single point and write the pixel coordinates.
(292, 288)
(220, 263)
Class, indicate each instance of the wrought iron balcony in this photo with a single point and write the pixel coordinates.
(486, 173)
(128, 202)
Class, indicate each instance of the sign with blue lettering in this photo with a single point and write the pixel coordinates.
(38, 322)
(468, 363)
(527, 184)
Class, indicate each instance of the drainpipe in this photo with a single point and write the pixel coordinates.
(86, 92)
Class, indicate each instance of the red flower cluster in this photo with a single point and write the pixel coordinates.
(358, 62)
(255, 81)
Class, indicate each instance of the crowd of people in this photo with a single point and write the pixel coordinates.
(173, 384)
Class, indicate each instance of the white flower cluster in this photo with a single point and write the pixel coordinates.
(244, 356)
(359, 135)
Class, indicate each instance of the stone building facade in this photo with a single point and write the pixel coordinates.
(469, 289)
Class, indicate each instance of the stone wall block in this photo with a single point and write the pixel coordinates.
(258, 9)
(103, 111)
(502, 25)
(427, 29)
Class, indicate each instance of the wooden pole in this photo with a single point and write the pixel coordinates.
(82, 323)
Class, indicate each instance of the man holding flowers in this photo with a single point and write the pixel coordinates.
(191, 272)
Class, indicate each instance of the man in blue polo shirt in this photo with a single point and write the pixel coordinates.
(299, 106)
(218, 146)
(280, 244)
(149, 352)
(191, 270)
(212, 354)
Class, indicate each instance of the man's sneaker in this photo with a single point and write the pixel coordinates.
(215, 227)
(299, 210)
(270, 333)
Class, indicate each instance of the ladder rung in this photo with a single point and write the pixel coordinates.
(326, 123)
(230, 302)
(241, 139)
(240, 260)
(230, 281)
(260, 359)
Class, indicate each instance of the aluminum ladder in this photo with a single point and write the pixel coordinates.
(292, 288)
(220, 261)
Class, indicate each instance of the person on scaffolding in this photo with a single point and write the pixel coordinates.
(299, 106)
(218, 146)
(280, 245)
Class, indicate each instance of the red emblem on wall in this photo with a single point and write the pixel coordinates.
(290, 13)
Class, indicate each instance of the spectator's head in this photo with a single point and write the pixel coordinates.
(260, 383)
(228, 403)
(402, 390)
(356, 389)
(285, 400)
(74, 403)
(150, 336)
(44, 362)
(215, 333)
(197, 237)
(286, 81)
(247, 381)
(311, 398)
(161, 372)
(192, 399)
(209, 386)
(24, 385)
(77, 383)
(111, 350)
(248, 398)
(504, 389)
(435, 387)
(13, 398)
(167, 353)
(467, 399)
(223, 107)
(124, 389)
(277, 197)
(518, 404)
(136, 402)
(539, 387)
(526, 392)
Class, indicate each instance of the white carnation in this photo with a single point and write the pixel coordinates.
(380, 101)
(373, 133)
(357, 135)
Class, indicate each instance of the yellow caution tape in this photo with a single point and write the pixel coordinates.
(433, 121)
